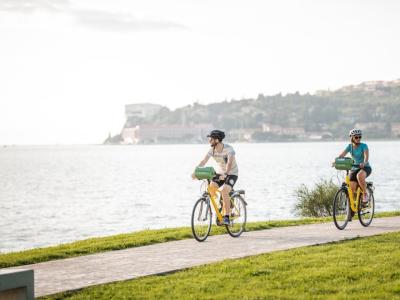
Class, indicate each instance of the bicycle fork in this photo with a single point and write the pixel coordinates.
(208, 200)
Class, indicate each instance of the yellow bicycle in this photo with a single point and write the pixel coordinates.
(202, 213)
(346, 204)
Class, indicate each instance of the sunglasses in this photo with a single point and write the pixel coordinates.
(357, 137)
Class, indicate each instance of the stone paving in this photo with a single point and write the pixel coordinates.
(74, 273)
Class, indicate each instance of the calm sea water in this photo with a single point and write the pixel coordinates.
(56, 194)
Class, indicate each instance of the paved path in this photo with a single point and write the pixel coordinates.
(73, 273)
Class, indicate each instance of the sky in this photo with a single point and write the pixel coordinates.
(68, 67)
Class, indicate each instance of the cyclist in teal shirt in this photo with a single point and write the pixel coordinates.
(360, 153)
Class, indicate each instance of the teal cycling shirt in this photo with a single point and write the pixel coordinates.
(357, 153)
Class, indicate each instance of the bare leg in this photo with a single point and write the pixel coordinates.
(213, 189)
(361, 180)
(225, 196)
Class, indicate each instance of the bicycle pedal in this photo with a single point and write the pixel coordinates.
(365, 204)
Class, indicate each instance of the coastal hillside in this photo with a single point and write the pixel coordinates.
(326, 115)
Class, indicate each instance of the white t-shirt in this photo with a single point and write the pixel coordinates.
(222, 159)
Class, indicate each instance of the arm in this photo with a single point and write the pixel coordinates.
(204, 161)
(366, 156)
(343, 154)
(231, 159)
(201, 164)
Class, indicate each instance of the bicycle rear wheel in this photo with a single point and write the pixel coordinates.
(201, 219)
(341, 209)
(366, 213)
(238, 216)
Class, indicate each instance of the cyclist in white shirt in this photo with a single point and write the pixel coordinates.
(227, 174)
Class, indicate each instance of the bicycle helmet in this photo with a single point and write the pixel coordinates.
(354, 132)
(217, 134)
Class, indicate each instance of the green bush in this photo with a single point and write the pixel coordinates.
(316, 202)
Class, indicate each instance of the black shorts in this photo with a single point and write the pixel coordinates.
(229, 180)
(353, 174)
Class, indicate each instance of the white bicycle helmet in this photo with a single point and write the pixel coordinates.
(354, 132)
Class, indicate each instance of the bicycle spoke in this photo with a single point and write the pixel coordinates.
(238, 217)
(366, 214)
(341, 209)
(200, 212)
(201, 220)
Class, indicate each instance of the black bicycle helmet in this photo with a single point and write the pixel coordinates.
(217, 134)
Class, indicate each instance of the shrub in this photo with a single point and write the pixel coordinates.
(316, 202)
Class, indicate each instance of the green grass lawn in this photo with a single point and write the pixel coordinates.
(136, 239)
(363, 268)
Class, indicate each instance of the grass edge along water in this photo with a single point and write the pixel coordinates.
(137, 239)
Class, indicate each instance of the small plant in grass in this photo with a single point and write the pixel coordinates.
(316, 202)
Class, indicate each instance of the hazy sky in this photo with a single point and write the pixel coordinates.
(68, 67)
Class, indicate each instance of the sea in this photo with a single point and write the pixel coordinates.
(51, 195)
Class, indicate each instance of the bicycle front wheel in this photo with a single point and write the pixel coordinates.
(366, 212)
(201, 219)
(238, 217)
(341, 209)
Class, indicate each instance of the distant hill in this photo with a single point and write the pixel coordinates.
(374, 106)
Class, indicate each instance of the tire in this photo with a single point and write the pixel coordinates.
(238, 217)
(366, 214)
(201, 219)
(341, 209)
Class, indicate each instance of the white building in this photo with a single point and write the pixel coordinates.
(157, 133)
(279, 130)
(142, 110)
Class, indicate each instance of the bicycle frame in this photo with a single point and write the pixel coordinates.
(202, 215)
(214, 203)
(353, 202)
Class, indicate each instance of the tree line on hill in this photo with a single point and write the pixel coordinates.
(373, 105)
